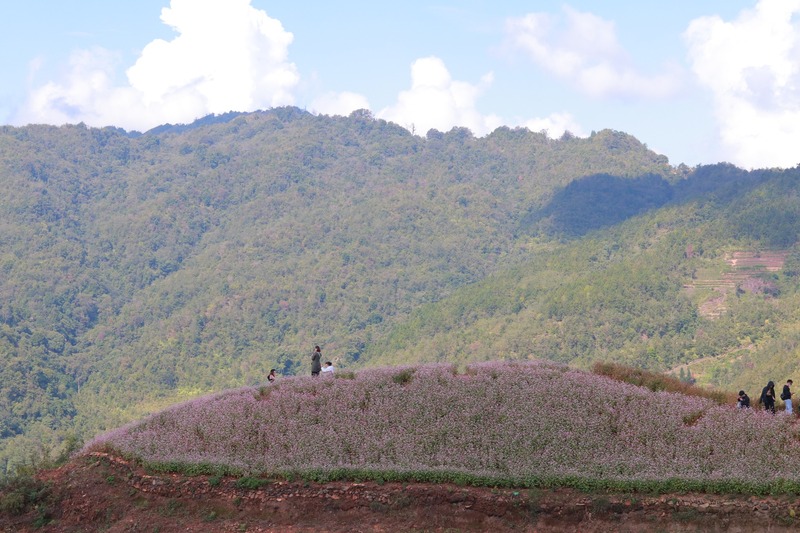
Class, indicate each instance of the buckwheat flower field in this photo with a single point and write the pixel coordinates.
(521, 424)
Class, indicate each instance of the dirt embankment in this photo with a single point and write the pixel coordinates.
(105, 493)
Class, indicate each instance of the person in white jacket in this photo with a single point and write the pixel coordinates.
(786, 396)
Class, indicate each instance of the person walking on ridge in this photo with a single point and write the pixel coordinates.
(768, 397)
(316, 365)
(786, 395)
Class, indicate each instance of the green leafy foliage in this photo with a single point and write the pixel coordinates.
(21, 493)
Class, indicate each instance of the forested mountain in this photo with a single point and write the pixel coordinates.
(137, 270)
(658, 291)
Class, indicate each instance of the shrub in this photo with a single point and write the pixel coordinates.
(659, 382)
(252, 483)
(20, 493)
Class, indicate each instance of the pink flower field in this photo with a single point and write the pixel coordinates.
(521, 424)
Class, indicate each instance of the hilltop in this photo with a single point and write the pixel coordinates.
(424, 448)
(534, 424)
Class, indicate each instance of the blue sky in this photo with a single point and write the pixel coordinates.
(700, 81)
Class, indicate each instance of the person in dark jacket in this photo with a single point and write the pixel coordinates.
(768, 397)
(786, 396)
(744, 400)
(316, 364)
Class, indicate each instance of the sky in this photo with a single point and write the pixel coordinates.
(700, 81)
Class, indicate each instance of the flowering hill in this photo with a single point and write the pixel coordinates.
(513, 424)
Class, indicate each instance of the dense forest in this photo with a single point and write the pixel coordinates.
(138, 270)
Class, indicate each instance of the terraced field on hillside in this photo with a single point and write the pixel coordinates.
(740, 270)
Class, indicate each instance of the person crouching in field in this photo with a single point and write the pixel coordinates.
(768, 397)
(744, 400)
(328, 368)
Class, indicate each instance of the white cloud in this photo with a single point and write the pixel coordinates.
(555, 125)
(227, 56)
(436, 101)
(583, 49)
(752, 67)
(339, 103)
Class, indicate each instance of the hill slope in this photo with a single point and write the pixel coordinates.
(284, 458)
(535, 424)
(646, 292)
(143, 270)
(139, 270)
(77, 496)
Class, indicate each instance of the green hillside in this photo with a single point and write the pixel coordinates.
(139, 270)
(643, 293)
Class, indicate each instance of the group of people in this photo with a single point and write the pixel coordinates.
(767, 399)
(317, 367)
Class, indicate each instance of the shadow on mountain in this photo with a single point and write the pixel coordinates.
(602, 200)
(598, 201)
(207, 120)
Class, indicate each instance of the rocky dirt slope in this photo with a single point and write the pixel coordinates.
(99, 492)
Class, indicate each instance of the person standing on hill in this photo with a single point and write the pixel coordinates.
(786, 395)
(271, 376)
(768, 397)
(316, 359)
